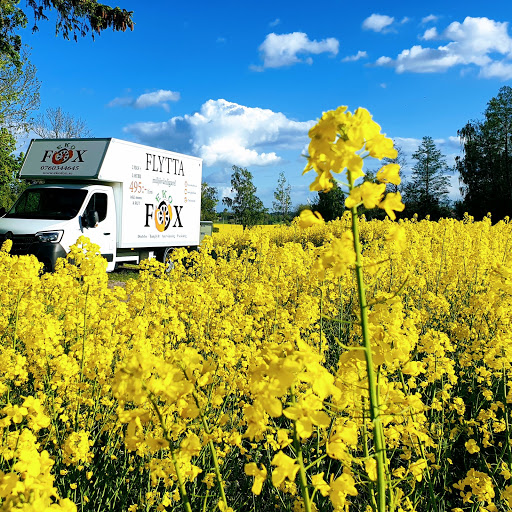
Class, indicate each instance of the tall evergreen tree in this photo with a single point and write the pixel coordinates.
(485, 168)
(427, 193)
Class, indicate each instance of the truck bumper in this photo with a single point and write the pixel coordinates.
(46, 252)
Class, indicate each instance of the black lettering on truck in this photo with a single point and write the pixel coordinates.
(47, 154)
(149, 214)
(178, 220)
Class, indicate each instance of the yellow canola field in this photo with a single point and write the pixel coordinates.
(240, 375)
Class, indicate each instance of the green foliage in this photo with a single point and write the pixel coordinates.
(10, 185)
(485, 168)
(209, 200)
(330, 205)
(246, 206)
(300, 208)
(12, 18)
(427, 193)
(74, 18)
(283, 202)
(19, 94)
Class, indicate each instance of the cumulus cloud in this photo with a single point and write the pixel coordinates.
(378, 22)
(430, 34)
(474, 42)
(160, 98)
(227, 133)
(279, 50)
(352, 58)
(498, 69)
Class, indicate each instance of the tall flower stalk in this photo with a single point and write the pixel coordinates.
(340, 142)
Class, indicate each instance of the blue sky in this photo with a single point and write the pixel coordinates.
(240, 84)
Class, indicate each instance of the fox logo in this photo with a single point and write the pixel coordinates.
(163, 215)
(64, 154)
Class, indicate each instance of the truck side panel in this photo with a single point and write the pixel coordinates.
(160, 198)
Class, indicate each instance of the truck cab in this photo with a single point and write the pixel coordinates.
(46, 221)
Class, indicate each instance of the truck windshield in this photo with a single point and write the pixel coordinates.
(48, 203)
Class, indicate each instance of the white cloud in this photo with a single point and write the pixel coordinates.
(378, 22)
(352, 58)
(223, 132)
(158, 98)
(429, 18)
(280, 50)
(274, 23)
(425, 60)
(498, 69)
(430, 33)
(474, 42)
(384, 61)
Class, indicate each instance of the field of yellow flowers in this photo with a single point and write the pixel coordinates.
(354, 365)
(113, 399)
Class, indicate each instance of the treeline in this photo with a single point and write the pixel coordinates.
(484, 179)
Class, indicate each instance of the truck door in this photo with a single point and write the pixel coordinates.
(103, 232)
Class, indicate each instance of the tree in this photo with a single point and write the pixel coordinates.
(74, 18)
(11, 19)
(209, 200)
(427, 193)
(283, 202)
(57, 124)
(485, 168)
(331, 204)
(19, 95)
(10, 164)
(246, 206)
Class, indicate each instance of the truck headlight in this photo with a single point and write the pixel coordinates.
(49, 236)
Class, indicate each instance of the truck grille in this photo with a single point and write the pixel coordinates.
(21, 244)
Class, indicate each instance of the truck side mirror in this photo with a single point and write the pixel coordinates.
(91, 219)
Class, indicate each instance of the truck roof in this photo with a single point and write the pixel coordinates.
(92, 159)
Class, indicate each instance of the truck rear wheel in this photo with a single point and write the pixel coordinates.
(166, 258)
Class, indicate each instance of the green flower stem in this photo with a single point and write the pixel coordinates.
(181, 482)
(82, 359)
(15, 334)
(378, 432)
(303, 481)
(212, 450)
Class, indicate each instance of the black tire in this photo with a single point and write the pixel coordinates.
(165, 257)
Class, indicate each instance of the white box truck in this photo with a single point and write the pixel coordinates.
(134, 201)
